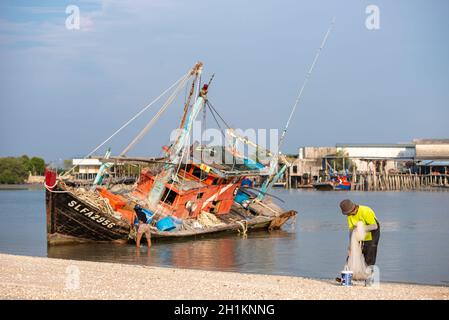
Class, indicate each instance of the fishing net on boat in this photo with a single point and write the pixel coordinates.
(188, 224)
(356, 261)
(93, 199)
(208, 219)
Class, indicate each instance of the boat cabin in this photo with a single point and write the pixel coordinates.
(198, 190)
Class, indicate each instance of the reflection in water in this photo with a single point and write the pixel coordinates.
(227, 252)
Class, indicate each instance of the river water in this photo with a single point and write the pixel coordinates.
(414, 243)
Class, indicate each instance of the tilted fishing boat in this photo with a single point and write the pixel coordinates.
(192, 190)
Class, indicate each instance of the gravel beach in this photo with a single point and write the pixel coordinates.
(44, 278)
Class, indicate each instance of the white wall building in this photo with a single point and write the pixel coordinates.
(365, 156)
(87, 168)
(432, 149)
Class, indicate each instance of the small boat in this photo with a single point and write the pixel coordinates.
(342, 183)
(191, 191)
(279, 185)
(323, 186)
(336, 183)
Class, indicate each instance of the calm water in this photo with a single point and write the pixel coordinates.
(414, 244)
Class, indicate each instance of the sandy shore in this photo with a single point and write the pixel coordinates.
(43, 278)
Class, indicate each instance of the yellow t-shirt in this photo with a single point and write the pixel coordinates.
(364, 214)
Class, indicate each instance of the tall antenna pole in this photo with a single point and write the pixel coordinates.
(281, 140)
(274, 160)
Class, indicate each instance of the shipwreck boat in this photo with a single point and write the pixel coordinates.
(192, 190)
(75, 215)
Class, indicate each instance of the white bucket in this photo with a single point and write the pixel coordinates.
(346, 278)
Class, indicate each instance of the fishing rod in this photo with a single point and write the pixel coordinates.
(273, 176)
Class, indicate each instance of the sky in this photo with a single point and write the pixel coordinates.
(64, 91)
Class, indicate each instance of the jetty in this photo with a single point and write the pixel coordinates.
(395, 182)
(422, 164)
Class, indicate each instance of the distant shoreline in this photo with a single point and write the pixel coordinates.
(25, 277)
(22, 186)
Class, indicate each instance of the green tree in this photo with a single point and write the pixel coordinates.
(37, 166)
(25, 160)
(13, 170)
(16, 170)
(6, 176)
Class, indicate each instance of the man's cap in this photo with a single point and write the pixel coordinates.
(347, 206)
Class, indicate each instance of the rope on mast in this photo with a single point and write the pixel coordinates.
(156, 117)
(216, 120)
(221, 118)
(281, 140)
(129, 121)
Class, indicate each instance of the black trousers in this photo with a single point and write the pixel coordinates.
(369, 248)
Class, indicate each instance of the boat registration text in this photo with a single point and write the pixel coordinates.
(88, 213)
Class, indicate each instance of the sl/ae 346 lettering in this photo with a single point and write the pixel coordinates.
(234, 309)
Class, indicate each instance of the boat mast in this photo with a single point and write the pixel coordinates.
(100, 175)
(177, 150)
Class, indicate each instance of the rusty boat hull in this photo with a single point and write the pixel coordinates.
(70, 219)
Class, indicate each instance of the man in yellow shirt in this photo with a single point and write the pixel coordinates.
(356, 213)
